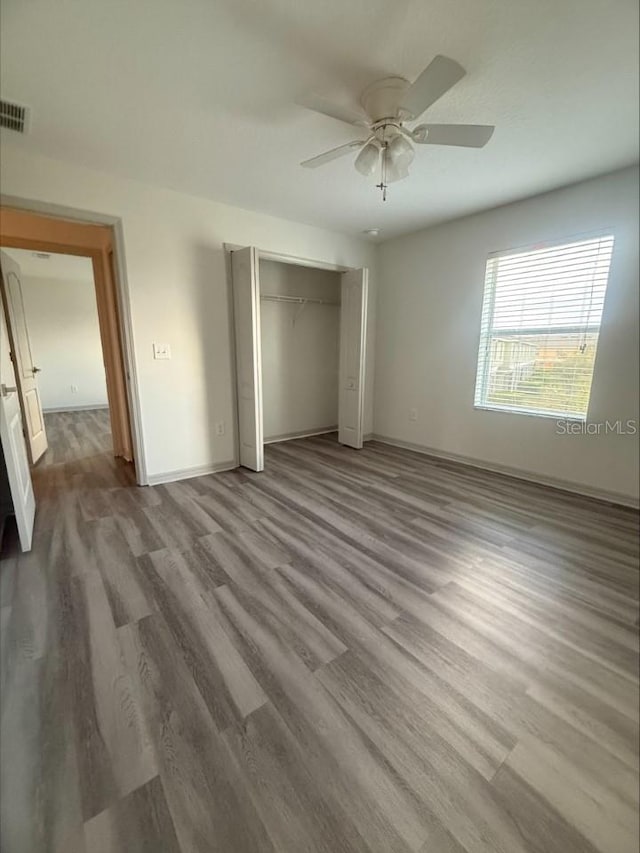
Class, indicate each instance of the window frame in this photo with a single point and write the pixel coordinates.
(483, 362)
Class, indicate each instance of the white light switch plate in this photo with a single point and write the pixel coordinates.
(161, 351)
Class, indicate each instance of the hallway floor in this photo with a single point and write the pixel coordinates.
(351, 651)
(74, 436)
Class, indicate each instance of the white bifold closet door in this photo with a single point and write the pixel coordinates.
(353, 326)
(246, 310)
(353, 320)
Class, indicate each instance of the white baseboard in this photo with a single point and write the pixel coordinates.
(189, 473)
(290, 436)
(89, 407)
(517, 473)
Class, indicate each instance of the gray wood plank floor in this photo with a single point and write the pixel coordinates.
(351, 651)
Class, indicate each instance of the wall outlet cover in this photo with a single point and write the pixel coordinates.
(161, 351)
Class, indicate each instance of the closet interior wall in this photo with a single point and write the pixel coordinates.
(300, 349)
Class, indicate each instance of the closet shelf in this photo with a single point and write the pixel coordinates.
(297, 300)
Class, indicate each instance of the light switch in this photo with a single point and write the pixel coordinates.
(161, 351)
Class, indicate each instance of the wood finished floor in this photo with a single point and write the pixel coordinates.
(352, 651)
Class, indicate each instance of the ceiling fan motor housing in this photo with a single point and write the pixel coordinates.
(381, 99)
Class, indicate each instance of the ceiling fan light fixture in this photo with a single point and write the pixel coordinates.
(367, 160)
(399, 152)
(397, 171)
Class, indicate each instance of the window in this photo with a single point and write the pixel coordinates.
(540, 324)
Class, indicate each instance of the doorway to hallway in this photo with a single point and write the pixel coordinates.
(83, 375)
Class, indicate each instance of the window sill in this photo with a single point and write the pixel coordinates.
(556, 416)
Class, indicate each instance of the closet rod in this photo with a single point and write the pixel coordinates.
(298, 300)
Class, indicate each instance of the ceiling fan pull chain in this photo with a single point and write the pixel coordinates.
(383, 171)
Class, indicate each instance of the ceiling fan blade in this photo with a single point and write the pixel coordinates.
(465, 135)
(436, 79)
(318, 104)
(333, 154)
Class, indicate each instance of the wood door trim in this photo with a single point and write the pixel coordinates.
(21, 229)
(114, 367)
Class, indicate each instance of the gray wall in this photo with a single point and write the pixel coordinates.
(429, 304)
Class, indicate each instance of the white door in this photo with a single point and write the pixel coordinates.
(353, 324)
(13, 446)
(246, 312)
(25, 371)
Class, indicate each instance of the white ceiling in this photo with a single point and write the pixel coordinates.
(63, 267)
(198, 96)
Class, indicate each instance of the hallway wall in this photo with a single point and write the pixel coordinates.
(65, 340)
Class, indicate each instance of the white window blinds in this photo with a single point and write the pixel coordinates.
(540, 323)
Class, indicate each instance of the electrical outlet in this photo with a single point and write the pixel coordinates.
(220, 428)
(74, 389)
(413, 414)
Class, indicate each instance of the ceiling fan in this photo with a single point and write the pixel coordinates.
(386, 106)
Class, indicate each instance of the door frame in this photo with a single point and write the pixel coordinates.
(283, 258)
(42, 227)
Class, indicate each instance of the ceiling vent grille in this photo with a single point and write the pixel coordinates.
(14, 117)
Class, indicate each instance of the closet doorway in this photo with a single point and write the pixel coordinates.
(300, 334)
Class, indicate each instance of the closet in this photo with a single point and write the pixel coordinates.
(300, 335)
(300, 350)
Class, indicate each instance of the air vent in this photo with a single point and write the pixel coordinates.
(43, 256)
(14, 117)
